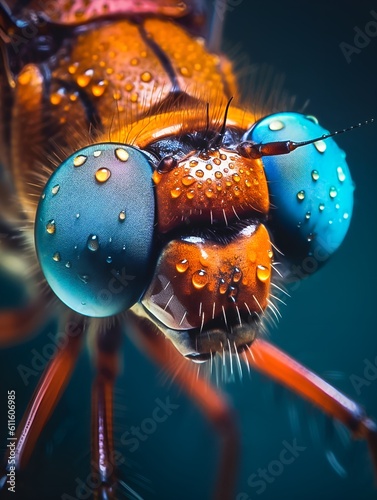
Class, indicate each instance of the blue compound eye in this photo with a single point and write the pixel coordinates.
(311, 190)
(94, 229)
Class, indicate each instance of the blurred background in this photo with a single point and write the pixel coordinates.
(329, 324)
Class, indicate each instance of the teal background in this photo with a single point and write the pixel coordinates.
(329, 324)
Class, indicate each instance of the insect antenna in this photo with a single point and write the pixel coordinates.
(217, 141)
(251, 150)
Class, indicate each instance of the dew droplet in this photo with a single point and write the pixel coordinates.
(199, 279)
(102, 175)
(209, 193)
(84, 79)
(217, 161)
(56, 257)
(232, 293)
(310, 237)
(176, 192)
(218, 174)
(312, 119)
(320, 146)
(341, 174)
(146, 77)
(321, 207)
(199, 173)
(301, 195)
(182, 265)
(187, 180)
(276, 125)
(209, 166)
(122, 154)
(77, 216)
(122, 215)
(109, 259)
(222, 286)
(315, 175)
(99, 88)
(56, 98)
(345, 215)
(68, 265)
(93, 243)
(51, 226)
(236, 178)
(43, 196)
(84, 278)
(97, 153)
(333, 192)
(270, 253)
(237, 275)
(190, 194)
(263, 272)
(79, 160)
(55, 189)
(248, 183)
(307, 215)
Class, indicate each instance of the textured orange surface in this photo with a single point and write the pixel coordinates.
(198, 280)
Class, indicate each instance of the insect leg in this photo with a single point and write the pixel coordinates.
(47, 393)
(277, 365)
(210, 402)
(103, 458)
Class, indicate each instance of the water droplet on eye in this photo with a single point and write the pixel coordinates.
(51, 226)
(182, 265)
(345, 215)
(98, 153)
(84, 278)
(77, 216)
(190, 194)
(321, 207)
(301, 195)
(134, 61)
(310, 237)
(237, 275)
(68, 265)
(209, 193)
(209, 166)
(236, 178)
(218, 174)
(222, 286)
(312, 119)
(263, 273)
(121, 154)
(270, 253)
(176, 192)
(93, 243)
(199, 173)
(320, 146)
(56, 257)
(341, 174)
(187, 180)
(79, 160)
(43, 196)
(307, 215)
(55, 189)
(122, 215)
(248, 183)
(109, 259)
(199, 279)
(315, 175)
(276, 125)
(102, 175)
(124, 247)
(333, 192)
(217, 161)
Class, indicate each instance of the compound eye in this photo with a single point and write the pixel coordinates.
(94, 229)
(310, 188)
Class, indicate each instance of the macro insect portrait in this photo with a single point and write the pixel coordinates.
(186, 250)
